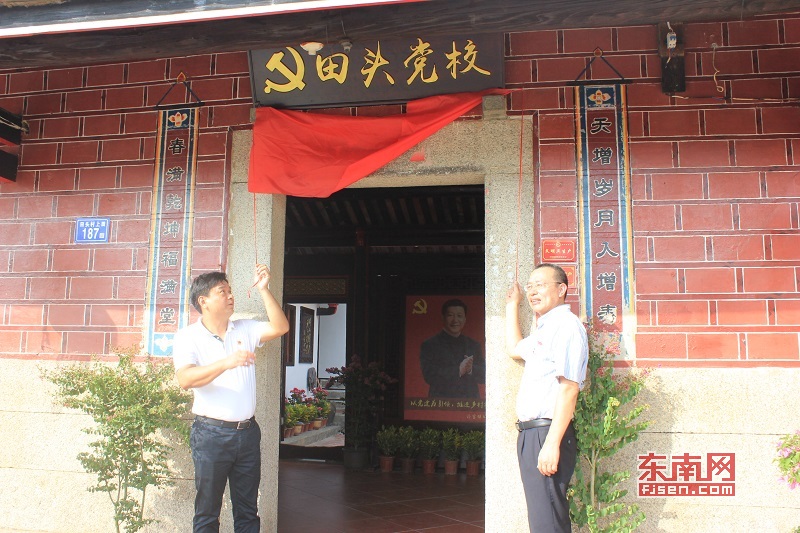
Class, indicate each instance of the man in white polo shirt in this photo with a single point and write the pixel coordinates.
(556, 355)
(215, 357)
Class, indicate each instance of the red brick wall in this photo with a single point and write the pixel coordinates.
(90, 152)
(715, 185)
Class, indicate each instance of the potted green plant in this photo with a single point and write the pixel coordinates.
(474, 444)
(307, 414)
(322, 406)
(294, 407)
(388, 443)
(409, 445)
(451, 445)
(289, 420)
(430, 444)
(364, 388)
(293, 414)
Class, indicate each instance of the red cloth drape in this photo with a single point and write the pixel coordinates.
(315, 155)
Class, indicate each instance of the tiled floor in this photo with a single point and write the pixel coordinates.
(318, 497)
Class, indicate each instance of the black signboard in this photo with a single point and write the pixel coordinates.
(375, 72)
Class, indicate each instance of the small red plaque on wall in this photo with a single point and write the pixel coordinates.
(558, 250)
(570, 272)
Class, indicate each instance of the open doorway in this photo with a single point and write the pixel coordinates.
(369, 250)
(315, 343)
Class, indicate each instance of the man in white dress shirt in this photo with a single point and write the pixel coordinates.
(556, 355)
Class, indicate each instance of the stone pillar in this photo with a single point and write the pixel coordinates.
(505, 503)
(269, 227)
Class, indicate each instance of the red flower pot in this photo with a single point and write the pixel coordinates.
(387, 463)
(451, 467)
(407, 464)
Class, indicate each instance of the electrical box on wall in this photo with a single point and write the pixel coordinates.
(8, 166)
(671, 51)
(11, 126)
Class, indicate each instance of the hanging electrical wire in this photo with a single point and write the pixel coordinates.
(720, 87)
(23, 128)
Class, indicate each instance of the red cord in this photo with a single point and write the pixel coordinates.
(255, 241)
(519, 186)
(255, 237)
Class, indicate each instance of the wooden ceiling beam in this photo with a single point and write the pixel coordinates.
(431, 18)
(431, 236)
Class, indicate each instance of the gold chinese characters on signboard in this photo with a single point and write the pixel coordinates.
(375, 72)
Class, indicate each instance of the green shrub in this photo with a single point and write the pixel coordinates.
(451, 444)
(129, 404)
(474, 444)
(430, 443)
(788, 459)
(321, 402)
(308, 412)
(365, 385)
(388, 441)
(605, 421)
(290, 415)
(409, 444)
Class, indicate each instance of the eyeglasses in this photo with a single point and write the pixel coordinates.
(539, 285)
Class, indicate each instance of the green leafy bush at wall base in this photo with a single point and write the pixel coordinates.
(606, 420)
(129, 404)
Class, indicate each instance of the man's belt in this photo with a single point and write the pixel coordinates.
(243, 424)
(535, 423)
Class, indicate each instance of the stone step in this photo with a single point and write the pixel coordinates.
(334, 394)
(315, 435)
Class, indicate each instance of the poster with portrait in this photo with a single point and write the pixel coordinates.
(445, 361)
(289, 338)
(306, 351)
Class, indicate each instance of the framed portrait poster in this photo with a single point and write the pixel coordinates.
(288, 339)
(306, 341)
(445, 362)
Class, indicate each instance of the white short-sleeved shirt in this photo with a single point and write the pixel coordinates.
(557, 348)
(232, 395)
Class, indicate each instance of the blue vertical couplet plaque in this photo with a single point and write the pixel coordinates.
(172, 220)
(604, 210)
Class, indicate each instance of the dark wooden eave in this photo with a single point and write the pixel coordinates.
(424, 18)
(388, 221)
